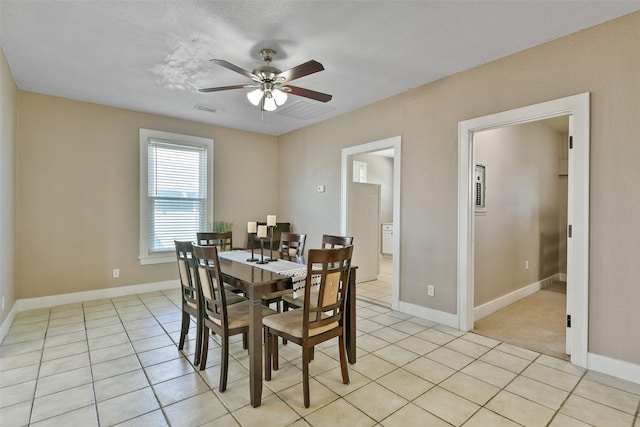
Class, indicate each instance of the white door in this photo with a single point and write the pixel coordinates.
(364, 226)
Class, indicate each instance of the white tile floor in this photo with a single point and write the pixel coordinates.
(115, 362)
(378, 291)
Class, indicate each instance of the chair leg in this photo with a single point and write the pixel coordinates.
(305, 376)
(285, 307)
(184, 329)
(224, 365)
(343, 360)
(196, 357)
(274, 352)
(245, 341)
(204, 351)
(267, 354)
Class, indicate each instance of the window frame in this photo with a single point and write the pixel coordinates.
(145, 256)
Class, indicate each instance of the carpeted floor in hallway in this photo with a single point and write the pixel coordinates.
(536, 322)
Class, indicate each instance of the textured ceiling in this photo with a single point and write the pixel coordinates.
(152, 56)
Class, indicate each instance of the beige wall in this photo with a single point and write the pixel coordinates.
(603, 60)
(8, 95)
(522, 221)
(78, 192)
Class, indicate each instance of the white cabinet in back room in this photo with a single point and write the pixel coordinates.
(387, 239)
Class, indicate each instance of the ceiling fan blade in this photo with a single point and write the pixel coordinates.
(230, 66)
(308, 93)
(217, 89)
(301, 70)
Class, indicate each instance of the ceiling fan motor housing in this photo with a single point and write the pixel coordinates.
(266, 73)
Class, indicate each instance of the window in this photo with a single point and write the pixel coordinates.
(176, 191)
(359, 171)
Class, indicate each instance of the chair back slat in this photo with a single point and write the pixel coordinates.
(210, 283)
(222, 240)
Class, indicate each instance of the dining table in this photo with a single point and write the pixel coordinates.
(255, 280)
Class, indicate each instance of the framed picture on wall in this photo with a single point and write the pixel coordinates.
(479, 184)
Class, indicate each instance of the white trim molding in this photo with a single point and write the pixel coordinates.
(614, 367)
(508, 299)
(53, 300)
(8, 321)
(437, 316)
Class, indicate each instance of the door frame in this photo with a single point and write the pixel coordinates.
(395, 143)
(576, 106)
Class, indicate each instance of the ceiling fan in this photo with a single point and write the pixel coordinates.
(272, 84)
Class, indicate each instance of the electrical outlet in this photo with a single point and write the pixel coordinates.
(526, 265)
(116, 273)
(431, 290)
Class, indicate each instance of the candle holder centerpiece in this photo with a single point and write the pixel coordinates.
(262, 234)
(271, 224)
(252, 231)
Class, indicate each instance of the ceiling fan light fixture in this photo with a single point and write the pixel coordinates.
(269, 102)
(279, 96)
(255, 96)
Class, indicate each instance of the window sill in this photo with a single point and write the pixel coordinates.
(161, 259)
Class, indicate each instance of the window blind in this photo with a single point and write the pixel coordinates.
(176, 193)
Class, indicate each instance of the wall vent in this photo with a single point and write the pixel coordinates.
(207, 108)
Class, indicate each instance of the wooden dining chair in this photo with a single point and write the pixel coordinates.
(292, 246)
(320, 319)
(222, 239)
(291, 249)
(217, 314)
(190, 296)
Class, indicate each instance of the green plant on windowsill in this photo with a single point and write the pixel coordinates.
(221, 226)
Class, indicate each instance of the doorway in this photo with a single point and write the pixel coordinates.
(348, 153)
(520, 235)
(577, 107)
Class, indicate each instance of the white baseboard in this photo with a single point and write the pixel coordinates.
(53, 300)
(616, 368)
(437, 316)
(8, 321)
(508, 299)
(50, 301)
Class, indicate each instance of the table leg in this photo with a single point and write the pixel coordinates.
(255, 350)
(350, 337)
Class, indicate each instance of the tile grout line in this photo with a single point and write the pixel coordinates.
(35, 388)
